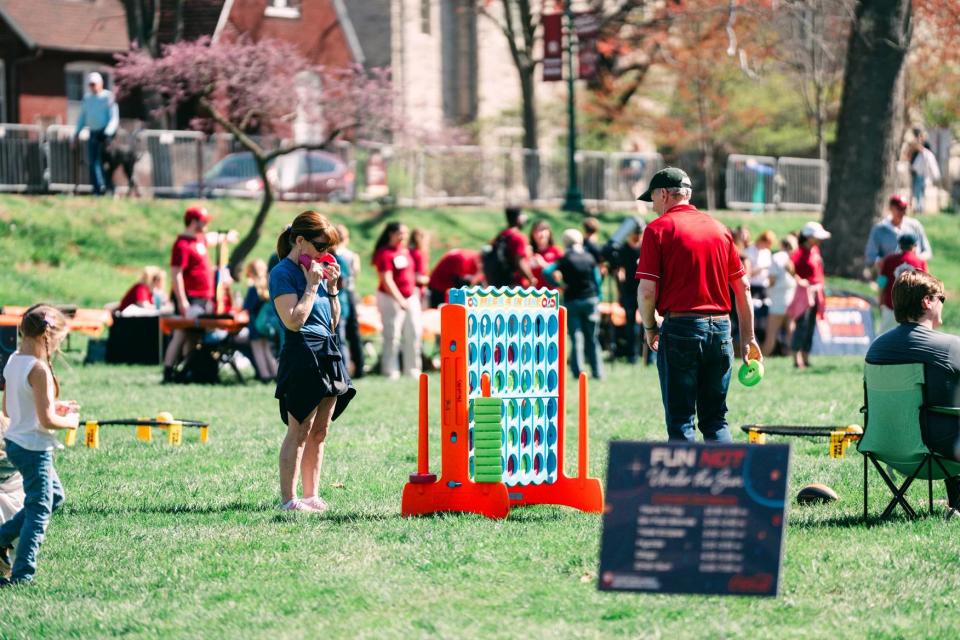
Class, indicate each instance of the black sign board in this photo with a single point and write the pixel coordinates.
(694, 518)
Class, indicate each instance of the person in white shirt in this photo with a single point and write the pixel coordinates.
(759, 254)
(30, 400)
(783, 285)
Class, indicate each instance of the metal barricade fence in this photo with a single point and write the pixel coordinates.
(751, 182)
(592, 167)
(176, 161)
(21, 157)
(801, 183)
(629, 175)
(67, 168)
(452, 175)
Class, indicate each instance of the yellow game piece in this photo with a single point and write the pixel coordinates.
(175, 434)
(755, 437)
(91, 434)
(70, 438)
(838, 444)
(204, 434)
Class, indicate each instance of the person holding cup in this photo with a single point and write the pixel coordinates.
(313, 386)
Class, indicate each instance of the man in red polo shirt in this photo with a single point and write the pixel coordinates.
(456, 268)
(687, 267)
(192, 277)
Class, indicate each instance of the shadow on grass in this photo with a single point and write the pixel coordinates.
(235, 506)
(873, 520)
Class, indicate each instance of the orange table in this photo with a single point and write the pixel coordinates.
(91, 322)
(169, 324)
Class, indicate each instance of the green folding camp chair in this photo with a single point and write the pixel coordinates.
(894, 427)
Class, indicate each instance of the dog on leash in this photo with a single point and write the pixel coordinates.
(121, 153)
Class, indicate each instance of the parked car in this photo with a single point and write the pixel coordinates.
(301, 175)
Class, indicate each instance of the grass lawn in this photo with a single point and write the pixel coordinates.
(187, 542)
(88, 251)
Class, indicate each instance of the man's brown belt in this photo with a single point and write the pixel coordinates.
(694, 314)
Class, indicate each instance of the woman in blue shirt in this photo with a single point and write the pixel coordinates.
(313, 386)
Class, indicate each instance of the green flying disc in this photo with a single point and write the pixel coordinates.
(751, 373)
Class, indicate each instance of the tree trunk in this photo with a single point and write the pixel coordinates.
(531, 160)
(863, 166)
(707, 148)
(249, 241)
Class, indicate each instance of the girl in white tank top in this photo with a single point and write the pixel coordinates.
(30, 401)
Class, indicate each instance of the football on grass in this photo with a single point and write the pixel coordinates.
(816, 494)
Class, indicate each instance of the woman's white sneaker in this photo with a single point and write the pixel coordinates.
(295, 505)
(316, 503)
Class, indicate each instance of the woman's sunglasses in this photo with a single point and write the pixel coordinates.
(319, 246)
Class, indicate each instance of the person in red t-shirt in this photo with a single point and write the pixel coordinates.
(146, 293)
(516, 252)
(420, 254)
(686, 269)
(192, 279)
(810, 299)
(456, 268)
(398, 301)
(544, 252)
(890, 268)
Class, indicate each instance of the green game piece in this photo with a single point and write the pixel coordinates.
(487, 402)
(487, 427)
(751, 373)
(487, 458)
(488, 419)
(480, 410)
(489, 478)
(488, 470)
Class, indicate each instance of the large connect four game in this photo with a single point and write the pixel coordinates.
(502, 405)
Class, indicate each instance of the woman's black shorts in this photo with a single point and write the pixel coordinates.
(309, 371)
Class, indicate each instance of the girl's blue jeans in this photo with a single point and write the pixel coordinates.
(43, 493)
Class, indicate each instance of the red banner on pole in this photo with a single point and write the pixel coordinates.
(587, 27)
(552, 47)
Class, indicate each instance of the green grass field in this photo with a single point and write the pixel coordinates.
(187, 542)
(89, 251)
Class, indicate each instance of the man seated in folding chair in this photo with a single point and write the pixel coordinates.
(912, 383)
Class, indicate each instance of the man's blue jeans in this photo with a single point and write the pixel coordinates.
(43, 493)
(918, 184)
(95, 147)
(582, 320)
(694, 360)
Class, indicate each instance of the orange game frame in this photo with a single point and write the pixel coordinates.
(454, 490)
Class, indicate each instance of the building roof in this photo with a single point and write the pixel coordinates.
(98, 26)
(371, 22)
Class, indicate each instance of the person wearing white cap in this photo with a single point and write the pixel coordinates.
(99, 114)
(810, 299)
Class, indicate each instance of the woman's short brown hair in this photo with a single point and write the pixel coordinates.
(909, 291)
(311, 225)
